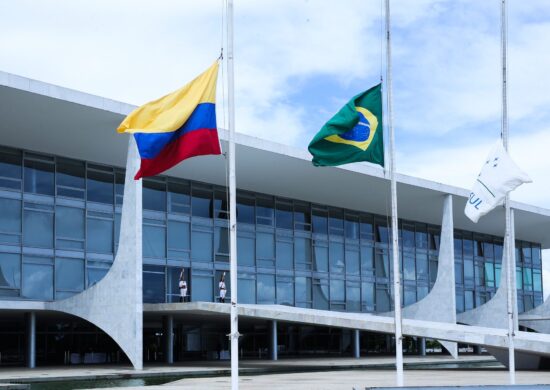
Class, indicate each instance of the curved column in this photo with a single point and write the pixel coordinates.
(494, 313)
(538, 318)
(114, 304)
(440, 304)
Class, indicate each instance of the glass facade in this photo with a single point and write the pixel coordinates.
(59, 224)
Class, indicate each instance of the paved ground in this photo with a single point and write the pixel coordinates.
(220, 368)
(360, 379)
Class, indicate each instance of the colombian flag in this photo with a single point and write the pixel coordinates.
(354, 134)
(177, 126)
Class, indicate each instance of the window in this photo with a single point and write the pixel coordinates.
(179, 199)
(245, 210)
(202, 286)
(221, 210)
(245, 249)
(265, 248)
(201, 203)
(408, 235)
(283, 216)
(10, 222)
(284, 253)
(489, 274)
(302, 253)
(383, 299)
(382, 264)
(100, 183)
(100, 232)
(367, 228)
(421, 237)
(10, 271)
(353, 296)
(320, 221)
(69, 227)
(336, 257)
(302, 217)
(336, 222)
(265, 211)
(153, 284)
(409, 266)
(70, 180)
(247, 289)
(266, 289)
(337, 291)
(10, 168)
(221, 243)
(37, 278)
(352, 260)
(69, 274)
(537, 280)
(367, 296)
(201, 244)
(422, 266)
(38, 225)
(154, 239)
(303, 291)
(352, 227)
(382, 232)
(178, 239)
(320, 294)
(285, 290)
(320, 256)
(154, 195)
(367, 260)
(39, 175)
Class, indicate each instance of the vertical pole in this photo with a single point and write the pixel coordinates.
(234, 335)
(31, 339)
(356, 344)
(395, 244)
(422, 346)
(169, 338)
(510, 245)
(274, 341)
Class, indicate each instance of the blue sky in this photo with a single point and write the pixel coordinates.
(298, 61)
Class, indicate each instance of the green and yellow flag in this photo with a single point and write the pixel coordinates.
(354, 134)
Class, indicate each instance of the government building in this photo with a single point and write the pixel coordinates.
(308, 238)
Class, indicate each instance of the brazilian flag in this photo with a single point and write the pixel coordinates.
(354, 134)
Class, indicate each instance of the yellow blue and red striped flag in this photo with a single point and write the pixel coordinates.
(177, 126)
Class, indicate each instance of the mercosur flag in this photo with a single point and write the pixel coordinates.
(498, 176)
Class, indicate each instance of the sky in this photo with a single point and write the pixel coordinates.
(297, 62)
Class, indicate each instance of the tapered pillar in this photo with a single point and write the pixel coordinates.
(422, 346)
(169, 339)
(356, 345)
(31, 339)
(273, 349)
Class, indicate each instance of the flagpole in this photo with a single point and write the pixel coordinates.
(394, 234)
(509, 244)
(234, 335)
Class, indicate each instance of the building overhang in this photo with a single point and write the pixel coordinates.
(41, 117)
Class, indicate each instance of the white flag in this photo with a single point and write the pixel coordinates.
(498, 176)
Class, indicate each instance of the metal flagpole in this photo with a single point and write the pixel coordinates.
(234, 335)
(394, 234)
(509, 244)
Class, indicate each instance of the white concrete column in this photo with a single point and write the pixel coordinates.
(356, 344)
(31, 339)
(422, 346)
(115, 304)
(169, 339)
(274, 341)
